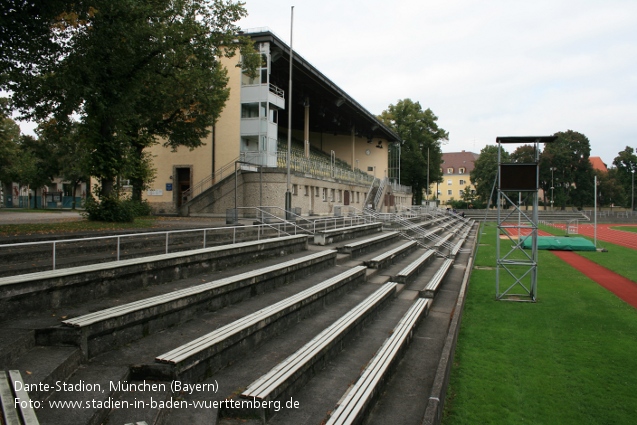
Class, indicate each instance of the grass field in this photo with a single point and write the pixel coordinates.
(626, 228)
(570, 358)
(71, 226)
(619, 259)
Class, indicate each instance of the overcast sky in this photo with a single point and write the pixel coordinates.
(485, 68)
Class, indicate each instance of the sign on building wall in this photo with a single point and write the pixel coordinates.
(155, 192)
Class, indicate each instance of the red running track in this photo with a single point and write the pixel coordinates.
(606, 234)
(624, 288)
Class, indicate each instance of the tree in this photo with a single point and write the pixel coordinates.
(609, 189)
(65, 145)
(421, 143)
(626, 164)
(129, 72)
(485, 171)
(573, 172)
(9, 145)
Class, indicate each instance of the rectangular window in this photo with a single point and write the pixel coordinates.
(339, 196)
(295, 189)
(332, 195)
(307, 190)
(462, 182)
(449, 170)
(249, 110)
(461, 171)
(316, 192)
(450, 192)
(461, 192)
(324, 194)
(449, 182)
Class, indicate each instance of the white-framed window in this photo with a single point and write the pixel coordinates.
(462, 182)
(461, 170)
(449, 182)
(461, 192)
(449, 170)
(324, 194)
(332, 195)
(450, 192)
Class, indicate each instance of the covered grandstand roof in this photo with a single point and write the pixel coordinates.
(332, 110)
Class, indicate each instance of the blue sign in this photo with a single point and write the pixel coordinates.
(169, 187)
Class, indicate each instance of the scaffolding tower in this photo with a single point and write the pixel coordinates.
(518, 184)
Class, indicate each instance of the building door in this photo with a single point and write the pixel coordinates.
(346, 197)
(183, 183)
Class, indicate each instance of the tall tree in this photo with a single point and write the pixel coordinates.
(421, 146)
(9, 145)
(66, 147)
(572, 170)
(130, 72)
(485, 172)
(626, 165)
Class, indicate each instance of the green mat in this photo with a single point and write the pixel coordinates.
(561, 243)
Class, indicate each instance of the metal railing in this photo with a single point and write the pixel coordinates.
(278, 228)
(208, 181)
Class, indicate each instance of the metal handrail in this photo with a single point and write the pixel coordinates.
(206, 182)
(167, 234)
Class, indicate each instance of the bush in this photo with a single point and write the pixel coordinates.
(112, 209)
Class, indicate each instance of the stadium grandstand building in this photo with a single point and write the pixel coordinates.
(339, 154)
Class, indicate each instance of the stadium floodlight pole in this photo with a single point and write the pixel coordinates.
(632, 200)
(288, 193)
(595, 212)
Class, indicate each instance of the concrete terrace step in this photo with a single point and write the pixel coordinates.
(89, 397)
(46, 366)
(385, 259)
(357, 401)
(328, 236)
(54, 288)
(282, 380)
(210, 352)
(367, 245)
(105, 329)
(30, 258)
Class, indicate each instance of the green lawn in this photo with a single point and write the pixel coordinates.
(72, 226)
(619, 259)
(570, 358)
(625, 228)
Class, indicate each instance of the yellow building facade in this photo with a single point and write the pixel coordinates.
(456, 168)
(339, 150)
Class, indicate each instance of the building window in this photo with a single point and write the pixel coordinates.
(449, 182)
(324, 194)
(450, 192)
(338, 195)
(307, 190)
(249, 110)
(316, 192)
(358, 197)
(461, 170)
(295, 189)
(462, 182)
(461, 192)
(449, 170)
(332, 195)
